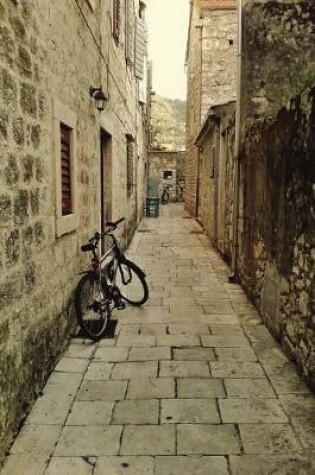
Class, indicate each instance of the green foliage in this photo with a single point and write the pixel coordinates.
(168, 124)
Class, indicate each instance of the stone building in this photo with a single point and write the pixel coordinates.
(215, 143)
(65, 168)
(166, 170)
(275, 225)
(269, 176)
(211, 77)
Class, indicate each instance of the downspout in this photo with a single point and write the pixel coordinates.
(234, 277)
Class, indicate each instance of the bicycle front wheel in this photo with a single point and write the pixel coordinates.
(91, 306)
(131, 282)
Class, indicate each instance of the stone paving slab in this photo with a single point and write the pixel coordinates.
(89, 441)
(102, 390)
(150, 354)
(249, 388)
(99, 371)
(275, 465)
(184, 369)
(36, 439)
(148, 440)
(69, 466)
(90, 413)
(136, 412)
(206, 439)
(189, 411)
(191, 466)
(235, 354)
(134, 370)
(264, 439)
(124, 466)
(53, 407)
(236, 369)
(30, 464)
(151, 388)
(252, 411)
(193, 388)
(194, 354)
(72, 365)
(111, 354)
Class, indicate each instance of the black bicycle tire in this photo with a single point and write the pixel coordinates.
(141, 277)
(78, 309)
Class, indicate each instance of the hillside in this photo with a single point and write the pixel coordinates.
(168, 124)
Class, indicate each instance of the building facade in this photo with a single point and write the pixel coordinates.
(211, 78)
(65, 169)
(275, 214)
(257, 172)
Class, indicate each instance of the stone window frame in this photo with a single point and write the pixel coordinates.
(64, 115)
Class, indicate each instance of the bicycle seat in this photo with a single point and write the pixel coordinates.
(88, 247)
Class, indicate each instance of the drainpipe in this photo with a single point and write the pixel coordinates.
(234, 277)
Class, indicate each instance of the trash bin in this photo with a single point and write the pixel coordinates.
(152, 207)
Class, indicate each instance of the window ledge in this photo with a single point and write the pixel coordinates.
(66, 224)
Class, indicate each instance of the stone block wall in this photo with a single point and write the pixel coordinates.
(276, 229)
(159, 162)
(277, 245)
(211, 62)
(51, 53)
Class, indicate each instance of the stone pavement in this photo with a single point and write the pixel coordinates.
(192, 383)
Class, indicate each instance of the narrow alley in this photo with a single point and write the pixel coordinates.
(191, 384)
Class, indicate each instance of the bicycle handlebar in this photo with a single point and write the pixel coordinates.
(114, 224)
(93, 242)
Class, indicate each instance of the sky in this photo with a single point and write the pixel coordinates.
(168, 29)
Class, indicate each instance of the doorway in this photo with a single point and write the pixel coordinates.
(106, 172)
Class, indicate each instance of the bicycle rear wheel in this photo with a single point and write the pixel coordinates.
(91, 306)
(130, 280)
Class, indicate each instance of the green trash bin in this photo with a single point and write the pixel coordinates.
(152, 207)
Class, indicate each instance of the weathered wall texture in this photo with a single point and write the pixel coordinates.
(160, 162)
(276, 230)
(51, 53)
(216, 142)
(211, 65)
(277, 245)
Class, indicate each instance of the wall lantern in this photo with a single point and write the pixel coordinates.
(99, 97)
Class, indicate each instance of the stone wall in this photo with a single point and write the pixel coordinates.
(276, 226)
(211, 65)
(216, 149)
(277, 258)
(51, 53)
(160, 162)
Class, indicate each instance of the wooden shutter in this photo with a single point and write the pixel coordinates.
(65, 149)
(130, 31)
(129, 167)
(141, 46)
(116, 19)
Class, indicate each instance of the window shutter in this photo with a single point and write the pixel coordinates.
(141, 45)
(65, 149)
(116, 19)
(129, 167)
(130, 32)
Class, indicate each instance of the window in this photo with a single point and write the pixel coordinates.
(167, 174)
(130, 32)
(116, 20)
(65, 169)
(129, 165)
(231, 42)
(65, 159)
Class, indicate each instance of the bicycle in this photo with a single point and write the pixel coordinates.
(111, 281)
(165, 195)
